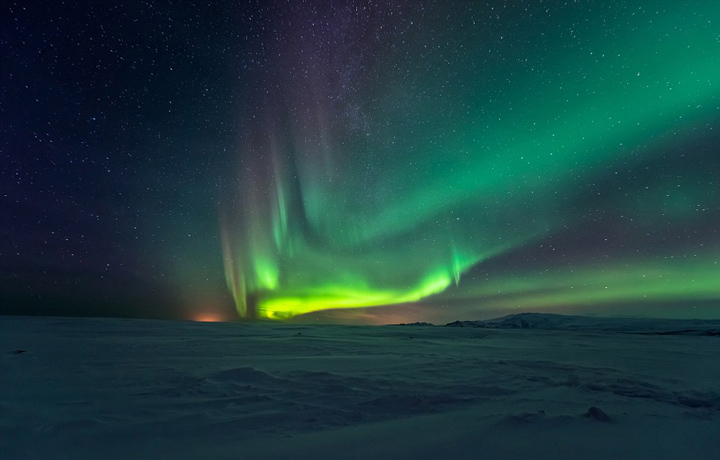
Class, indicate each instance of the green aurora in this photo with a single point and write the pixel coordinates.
(396, 154)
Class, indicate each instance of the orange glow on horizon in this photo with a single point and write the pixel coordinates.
(208, 318)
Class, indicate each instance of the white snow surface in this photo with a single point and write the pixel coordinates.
(86, 388)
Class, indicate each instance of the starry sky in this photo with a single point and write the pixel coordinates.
(360, 161)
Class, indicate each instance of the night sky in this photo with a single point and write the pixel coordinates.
(360, 161)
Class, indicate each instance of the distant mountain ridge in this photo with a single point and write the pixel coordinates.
(548, 321)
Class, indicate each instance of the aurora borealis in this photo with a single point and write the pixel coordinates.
(512, 155)
(360, 161)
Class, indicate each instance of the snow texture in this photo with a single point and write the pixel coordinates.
(521, 387)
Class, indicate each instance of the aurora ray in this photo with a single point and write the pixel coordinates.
(390, 152)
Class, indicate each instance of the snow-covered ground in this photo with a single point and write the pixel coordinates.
(74, 388)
